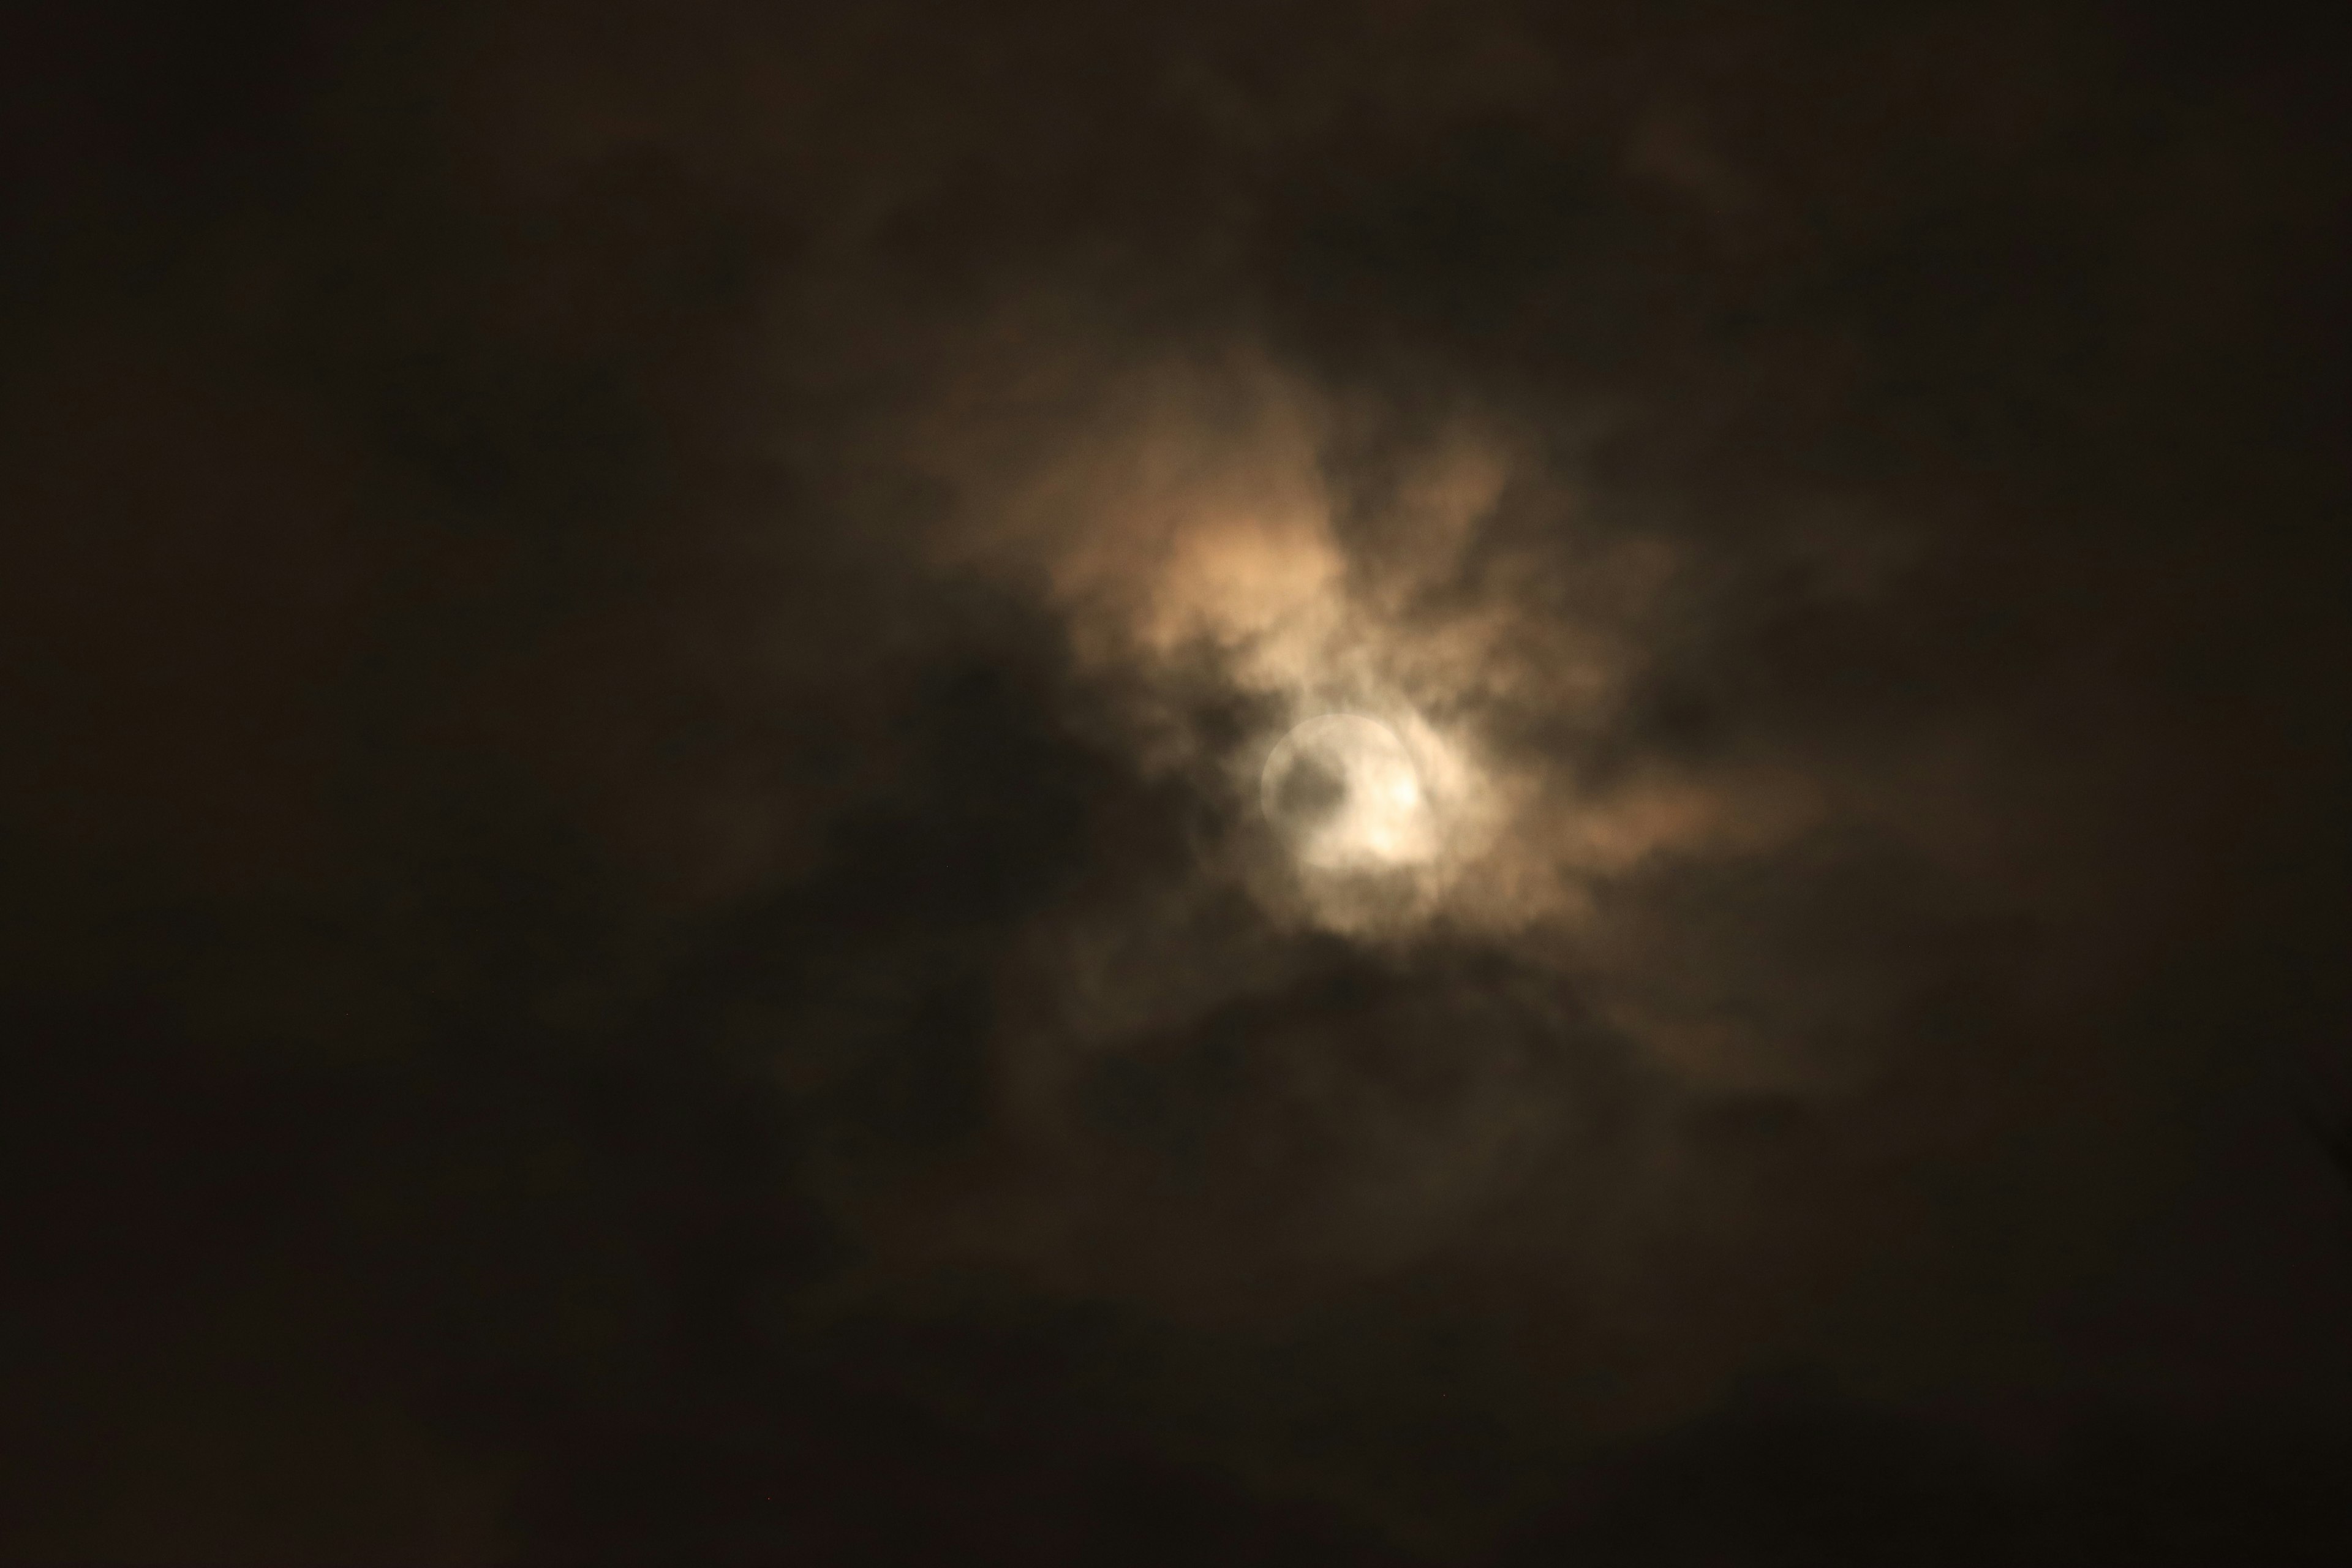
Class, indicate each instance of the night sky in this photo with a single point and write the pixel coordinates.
(646, 919)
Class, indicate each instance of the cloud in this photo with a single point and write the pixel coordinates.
(649, 635)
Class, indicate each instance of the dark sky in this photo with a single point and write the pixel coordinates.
(636, 645)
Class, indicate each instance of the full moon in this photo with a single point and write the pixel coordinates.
(1344, 793)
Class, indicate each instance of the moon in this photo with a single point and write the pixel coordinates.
(1344, 793)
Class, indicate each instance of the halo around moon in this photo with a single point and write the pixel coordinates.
(1344, 793)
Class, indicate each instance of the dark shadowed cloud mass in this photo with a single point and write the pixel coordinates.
(639, 647)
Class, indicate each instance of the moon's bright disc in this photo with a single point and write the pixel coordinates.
(1344, 793)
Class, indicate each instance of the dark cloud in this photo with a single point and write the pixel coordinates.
(637, 645)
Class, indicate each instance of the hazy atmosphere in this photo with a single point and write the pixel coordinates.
(1360, 785)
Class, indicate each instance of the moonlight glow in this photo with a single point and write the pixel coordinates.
(1345, 791)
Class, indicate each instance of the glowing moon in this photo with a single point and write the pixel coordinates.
(1344, 793)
